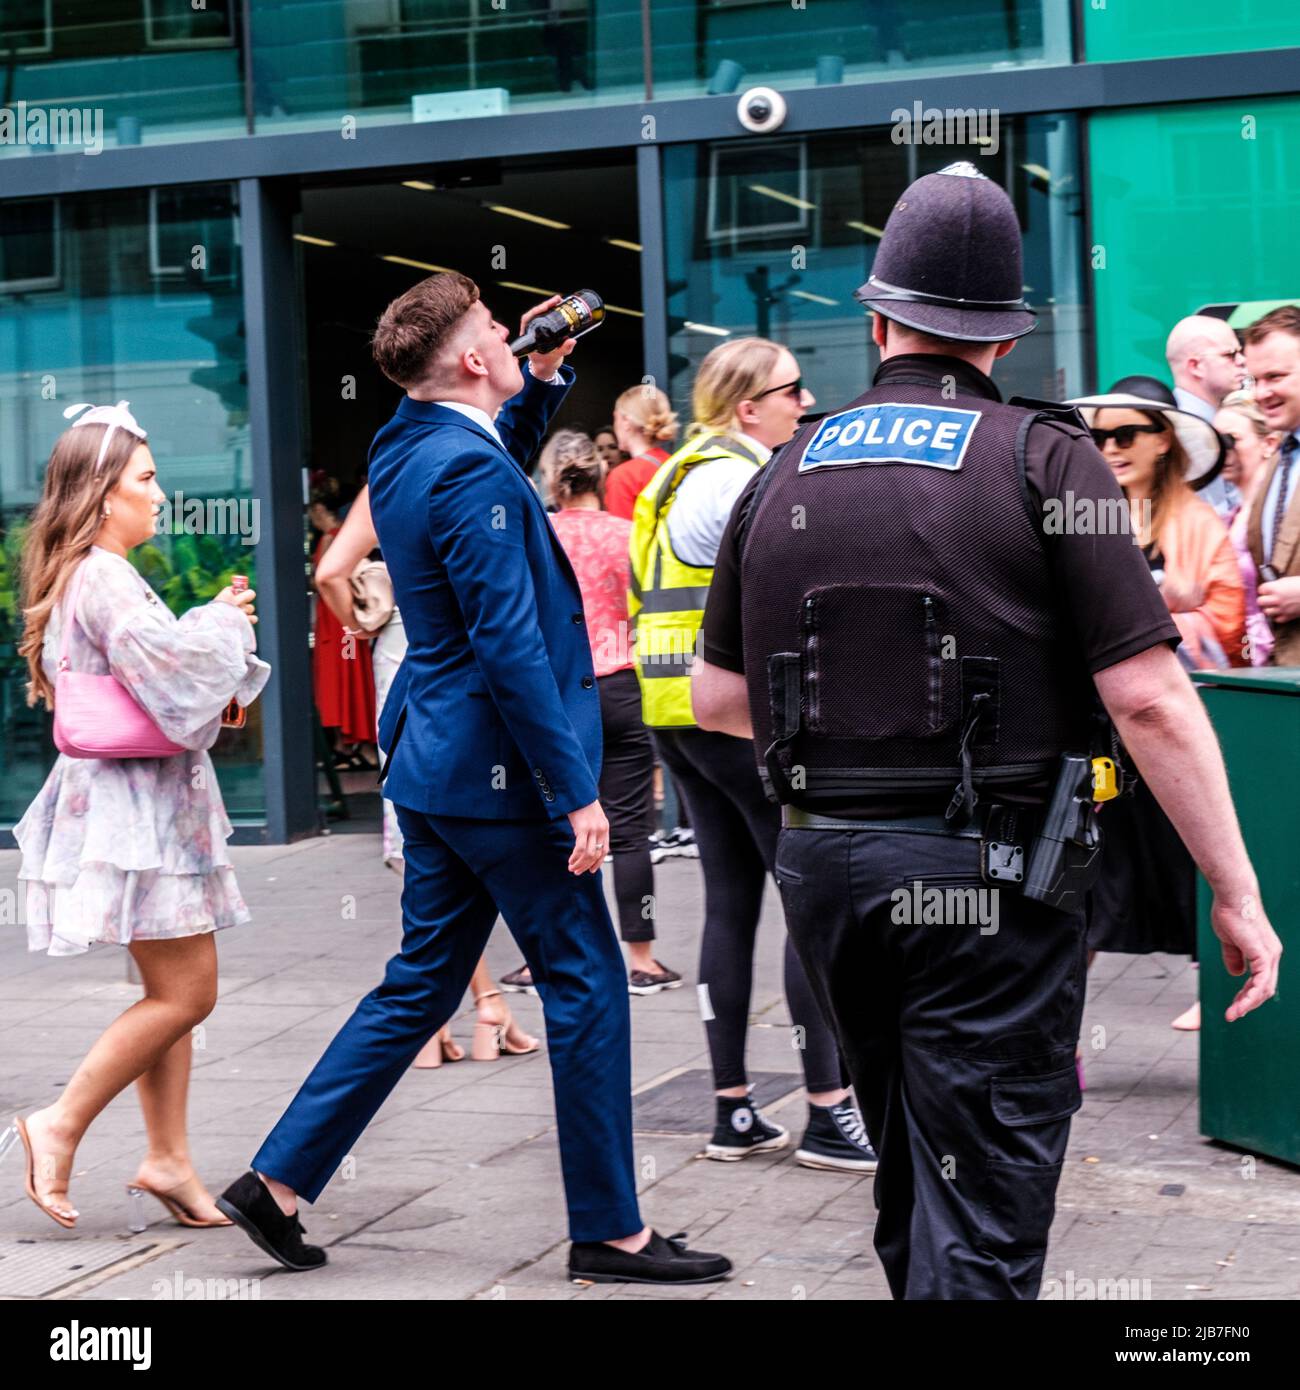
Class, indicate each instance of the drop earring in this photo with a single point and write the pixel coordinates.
(108, 510)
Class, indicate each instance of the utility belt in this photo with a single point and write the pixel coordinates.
(1003, 831)
(1052, 853)
(1055, 860)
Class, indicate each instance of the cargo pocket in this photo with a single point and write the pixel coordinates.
(873, 664)
(1024, 1164)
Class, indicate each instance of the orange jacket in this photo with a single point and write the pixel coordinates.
(1198, 554)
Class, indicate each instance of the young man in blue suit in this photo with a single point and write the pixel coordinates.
(494, 738)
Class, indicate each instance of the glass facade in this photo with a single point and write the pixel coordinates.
(771, 237)
(128, 296)
(1191, 206)
(317, 61)
(1117, 31)
(103, 73)
(726, 45)
(87, 73)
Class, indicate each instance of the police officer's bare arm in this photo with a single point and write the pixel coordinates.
(1168, 735)
(720, 699)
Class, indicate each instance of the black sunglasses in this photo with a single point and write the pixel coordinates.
(1124, 435)
(1229, 440)
(795, 386)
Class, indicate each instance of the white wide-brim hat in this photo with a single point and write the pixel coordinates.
(1202, 445)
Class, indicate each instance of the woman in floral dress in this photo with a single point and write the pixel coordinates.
(128, 850)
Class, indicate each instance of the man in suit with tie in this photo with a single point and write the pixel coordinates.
(494, 737)
(1273, 528)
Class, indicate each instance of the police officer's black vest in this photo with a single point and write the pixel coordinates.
(900, 633)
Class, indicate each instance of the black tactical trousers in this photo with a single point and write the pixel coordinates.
(957, 1007)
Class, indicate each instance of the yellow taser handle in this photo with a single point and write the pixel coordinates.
(1104, 784)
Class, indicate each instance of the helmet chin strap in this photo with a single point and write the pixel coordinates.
(116, 417)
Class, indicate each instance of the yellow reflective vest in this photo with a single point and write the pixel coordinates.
(665, 605)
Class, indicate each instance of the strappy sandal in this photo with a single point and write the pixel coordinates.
(492, 1039)
(182, 1213)
(440, 1048)
(15, 1132)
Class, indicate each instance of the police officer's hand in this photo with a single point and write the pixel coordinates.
(544, 365)
(1249, 944)
(590, 839)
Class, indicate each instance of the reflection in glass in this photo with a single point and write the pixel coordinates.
(384, 61)
(771, 237)
(719, 46)
(128, 296)
(142, 70)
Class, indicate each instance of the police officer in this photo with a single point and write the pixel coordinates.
(910, 603)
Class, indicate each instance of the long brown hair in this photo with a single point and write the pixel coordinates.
(1170, 491)
(62, 530)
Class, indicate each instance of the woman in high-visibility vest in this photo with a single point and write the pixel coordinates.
(747, 400)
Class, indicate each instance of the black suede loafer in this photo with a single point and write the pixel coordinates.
(249, 1204)
(659, 1261)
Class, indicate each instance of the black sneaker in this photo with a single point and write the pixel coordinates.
(652, 981)
(249, 1204)
(659, 1261)
(519, 981)
(677, 844)
(836, 1139)
(741, 1130)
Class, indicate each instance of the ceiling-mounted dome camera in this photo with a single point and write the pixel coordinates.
(762, 110)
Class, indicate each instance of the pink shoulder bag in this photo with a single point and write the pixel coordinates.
(97, 716)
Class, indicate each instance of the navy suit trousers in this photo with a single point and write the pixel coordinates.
(459, 874)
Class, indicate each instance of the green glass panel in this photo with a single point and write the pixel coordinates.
(1191, 206)
(128, 296)
(1116, 30)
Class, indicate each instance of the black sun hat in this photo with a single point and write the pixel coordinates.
(949, 262)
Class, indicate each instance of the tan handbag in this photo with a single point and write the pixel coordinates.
(372, 595)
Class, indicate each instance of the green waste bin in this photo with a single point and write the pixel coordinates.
(1250, 1069)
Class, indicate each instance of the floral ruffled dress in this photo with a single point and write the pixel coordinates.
(130, 849)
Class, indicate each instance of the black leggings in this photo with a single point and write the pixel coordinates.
(736, 829)
(627, 795)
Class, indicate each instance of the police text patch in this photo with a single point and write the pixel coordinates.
(932, 435)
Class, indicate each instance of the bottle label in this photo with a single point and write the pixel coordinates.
(576, 311)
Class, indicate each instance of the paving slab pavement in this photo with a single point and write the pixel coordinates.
(454, 1190)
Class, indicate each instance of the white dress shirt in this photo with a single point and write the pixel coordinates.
(481, 417)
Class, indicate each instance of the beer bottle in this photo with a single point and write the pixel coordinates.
(574, 316)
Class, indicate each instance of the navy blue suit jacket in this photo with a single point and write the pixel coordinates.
(494, 712)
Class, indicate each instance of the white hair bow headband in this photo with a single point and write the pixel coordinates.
(114, 416)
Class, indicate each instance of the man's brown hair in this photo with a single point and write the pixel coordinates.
(414, 327)
(1285, 319)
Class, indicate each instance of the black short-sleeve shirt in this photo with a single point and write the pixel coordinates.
(1102, 584)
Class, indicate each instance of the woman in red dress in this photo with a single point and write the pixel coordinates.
(342, 678)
